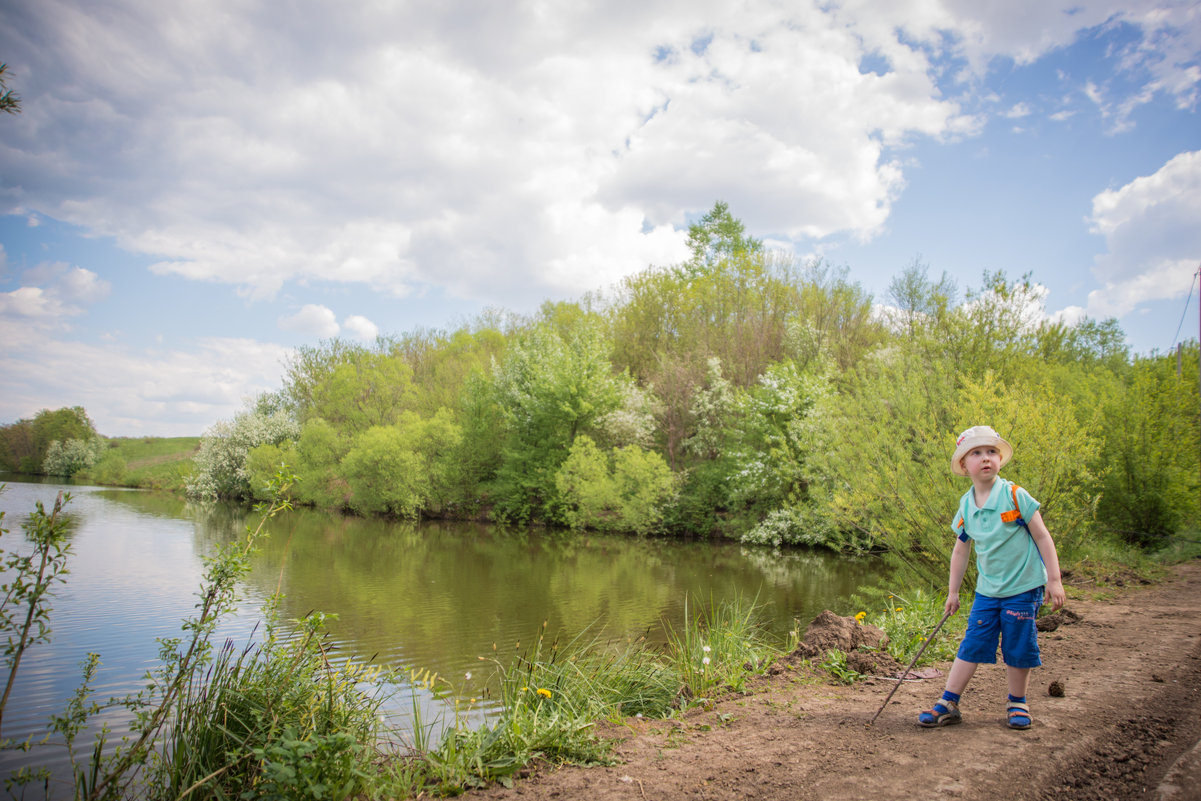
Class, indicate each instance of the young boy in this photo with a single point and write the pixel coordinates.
(1015, 558)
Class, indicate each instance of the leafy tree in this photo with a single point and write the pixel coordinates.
(10, 101)
(221, 463)
(25, 444)
(549, 389)
(770, 445)
(718, 236)
(371, 390)
(624, 490)
(1151, 452)
(68, 457)
(384, 474)
(402, 469)
(883, 448)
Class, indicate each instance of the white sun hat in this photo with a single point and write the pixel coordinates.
(974, 437)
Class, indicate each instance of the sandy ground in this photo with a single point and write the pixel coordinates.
(1128, 726)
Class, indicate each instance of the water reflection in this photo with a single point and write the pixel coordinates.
(430, 595)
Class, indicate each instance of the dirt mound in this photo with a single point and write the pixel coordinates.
(829, 631)
(874, 663)
(1064, 617)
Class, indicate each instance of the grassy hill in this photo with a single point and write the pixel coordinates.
(149, 462)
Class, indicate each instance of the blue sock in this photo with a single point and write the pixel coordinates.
(950, 696)
(1013, 699)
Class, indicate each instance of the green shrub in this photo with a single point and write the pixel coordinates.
(627, 489)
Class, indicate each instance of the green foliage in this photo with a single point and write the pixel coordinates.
(71, 456)
(887, 443)
(221, 463)
(717, 236)
(788, 407)
(10, 101)
(405, 468)
(835, 664)
(549, 389)
(908, 621)
(280, 720)
(719, 648)
(25, 443)
(384, 474)
(148, 462)
(626, 489)
(111, 470)
(1152, 450)
(28, 581)
(773, 433)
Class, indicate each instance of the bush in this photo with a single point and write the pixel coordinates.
(624, 490)
(68, 457)
(1149, 490)
(221, 468)
(110, 470)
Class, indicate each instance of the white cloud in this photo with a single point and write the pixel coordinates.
(500, 152)
(500, 155)
(314, 320)
(1152, 238)
(134, 392)
(1018, 111)
(53, 291)
(361, 327)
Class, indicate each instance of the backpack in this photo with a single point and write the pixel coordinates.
(1014, 515)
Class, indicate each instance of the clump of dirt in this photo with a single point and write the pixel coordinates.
(1056, 689)
(874, 663)
(828, 631)
(1064, 617)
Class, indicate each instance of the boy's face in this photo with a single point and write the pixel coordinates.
(982, 462)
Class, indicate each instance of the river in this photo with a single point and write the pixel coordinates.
(426, 595)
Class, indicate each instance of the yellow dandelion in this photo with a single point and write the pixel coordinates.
(859, 617)
(545, 693)
(525, 689)
(898, 609)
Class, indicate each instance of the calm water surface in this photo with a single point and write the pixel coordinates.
(408, 595)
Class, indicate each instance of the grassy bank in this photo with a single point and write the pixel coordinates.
(145, 462)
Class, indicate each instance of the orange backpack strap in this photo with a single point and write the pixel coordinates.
(1015, 514)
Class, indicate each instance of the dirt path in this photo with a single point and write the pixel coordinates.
(1128, 726)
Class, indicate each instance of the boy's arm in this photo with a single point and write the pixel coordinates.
(1046, 549)
(958, 567)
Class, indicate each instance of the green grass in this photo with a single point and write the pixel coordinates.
(552, 696)
(279, 720)
(909, 619)
(146, 462)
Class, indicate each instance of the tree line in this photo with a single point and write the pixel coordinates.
(741, 394)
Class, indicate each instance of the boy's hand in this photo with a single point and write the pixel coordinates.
(952, 604)
(1056, 594)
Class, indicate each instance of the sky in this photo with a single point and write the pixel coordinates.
(192, 190)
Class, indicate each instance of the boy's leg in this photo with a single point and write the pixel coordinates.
(961, 673)
(1019, 680)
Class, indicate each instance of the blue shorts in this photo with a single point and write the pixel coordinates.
(1011, 619)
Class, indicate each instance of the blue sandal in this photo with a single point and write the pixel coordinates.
(944, 713)
(1019, 716)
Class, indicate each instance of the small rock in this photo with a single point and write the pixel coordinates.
(1056, 689)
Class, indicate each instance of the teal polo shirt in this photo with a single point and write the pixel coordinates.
(1007, 560)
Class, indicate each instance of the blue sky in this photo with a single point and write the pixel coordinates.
(193, 190)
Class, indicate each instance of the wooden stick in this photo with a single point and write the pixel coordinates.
(913, 662)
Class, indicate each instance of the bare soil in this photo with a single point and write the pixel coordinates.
(1127, 725)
